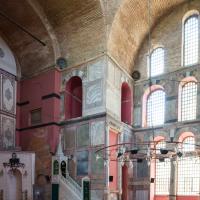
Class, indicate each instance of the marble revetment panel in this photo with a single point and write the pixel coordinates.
(97, 132)
(93, 94)
(8, 94)
(8, 131)
(96, 70)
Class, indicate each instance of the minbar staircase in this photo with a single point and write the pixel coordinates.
(69, 189)
(63, 186)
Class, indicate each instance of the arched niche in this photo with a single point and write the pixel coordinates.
(73, 98)
(63, 167)
(55, 167)
(126, 103)
(14, 184)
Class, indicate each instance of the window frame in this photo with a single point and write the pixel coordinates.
(157, 193)
(188, 157)
(183, 83)
(151, 92)
(149, 60)
(188, 16)
(146, 94)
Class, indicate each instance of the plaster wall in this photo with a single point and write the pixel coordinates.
(28, 172)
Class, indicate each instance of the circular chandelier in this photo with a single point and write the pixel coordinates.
(128, 153)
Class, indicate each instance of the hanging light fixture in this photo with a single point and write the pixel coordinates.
(14, 162)
(137, 152)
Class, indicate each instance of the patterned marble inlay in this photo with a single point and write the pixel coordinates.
(94, 94)
(8, 130)
(8, 94)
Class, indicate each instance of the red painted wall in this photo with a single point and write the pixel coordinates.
(161, 197)
(41, 140)
(32, 90)
(126, 103)
(187, 198)
(113, 167)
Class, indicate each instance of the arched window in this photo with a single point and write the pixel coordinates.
(188, 169)
(191, 40)
(73, 101)
(156, 65)
(162, 175)
(126, 103)
(188, 99)
(156, 108)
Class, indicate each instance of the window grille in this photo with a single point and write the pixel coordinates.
(156, 108)
(189, 101)
(191, 40)
(189, 176)
(188, 170)
(188, 144)
(162, 179)
(157, 62)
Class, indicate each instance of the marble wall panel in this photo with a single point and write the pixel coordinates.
(113, 103)
(82, 163)
(111, 72)
(8, 94)
(97, 165)
(97, 132)
(137, 116)
(8, 131)
(83, 138)
(93, 94)
(97, 194)
(96, 70)
(70, 135)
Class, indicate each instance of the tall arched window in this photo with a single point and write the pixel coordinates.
(126, 103)
(191, 40)
(156, 65)
(188, 170)
(162, 175)
(73, 101)
(188, 100)
(156, 108)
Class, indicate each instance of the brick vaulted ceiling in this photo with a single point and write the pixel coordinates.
(78, 30)
(130, 27)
